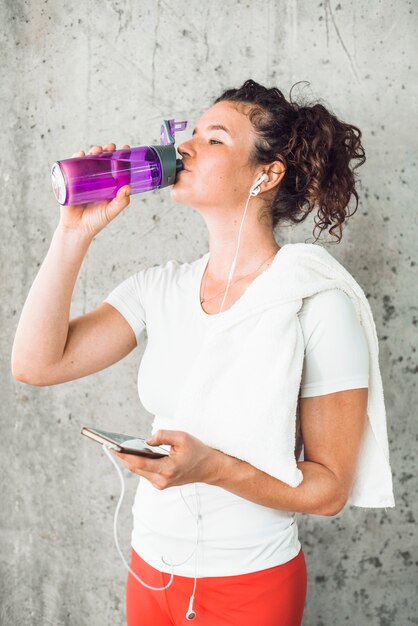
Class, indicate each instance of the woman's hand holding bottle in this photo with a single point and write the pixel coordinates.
(90, 218)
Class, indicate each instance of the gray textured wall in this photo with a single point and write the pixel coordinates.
(81, 73)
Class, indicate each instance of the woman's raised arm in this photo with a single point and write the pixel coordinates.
(48, 348)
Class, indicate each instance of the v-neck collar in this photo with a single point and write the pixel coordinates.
(245, 300)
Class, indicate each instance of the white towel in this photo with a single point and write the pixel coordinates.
(242, 392)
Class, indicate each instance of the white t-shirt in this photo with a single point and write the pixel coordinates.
(236, 536)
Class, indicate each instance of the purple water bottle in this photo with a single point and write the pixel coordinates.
(98, 177)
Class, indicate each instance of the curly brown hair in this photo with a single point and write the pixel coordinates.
(314, 146)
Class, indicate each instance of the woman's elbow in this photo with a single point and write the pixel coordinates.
(22, 376)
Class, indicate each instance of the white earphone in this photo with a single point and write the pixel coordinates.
(255, 189)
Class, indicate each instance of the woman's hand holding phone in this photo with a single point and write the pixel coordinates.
(90, 218)
(189, 461)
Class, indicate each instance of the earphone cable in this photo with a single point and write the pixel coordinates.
(122, 493)
(171, 564)
(231, 271)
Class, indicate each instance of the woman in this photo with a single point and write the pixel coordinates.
(248, 565)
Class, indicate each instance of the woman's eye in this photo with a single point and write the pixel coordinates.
(215, 140)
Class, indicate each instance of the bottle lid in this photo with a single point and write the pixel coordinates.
(168, 130)
(166, 153)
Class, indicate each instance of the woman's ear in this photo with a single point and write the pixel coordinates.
(275, 171)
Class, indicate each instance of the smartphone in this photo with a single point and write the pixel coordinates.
(125, 443)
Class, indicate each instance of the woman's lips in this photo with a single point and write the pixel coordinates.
(181, 172)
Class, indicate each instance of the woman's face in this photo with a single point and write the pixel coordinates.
(220, 177)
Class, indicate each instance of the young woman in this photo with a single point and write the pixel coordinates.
(247, 565)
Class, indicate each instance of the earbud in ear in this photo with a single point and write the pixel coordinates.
(255, 189)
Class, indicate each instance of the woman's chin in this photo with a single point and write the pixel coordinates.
(174, 193)
(183, 198)
(178, 195)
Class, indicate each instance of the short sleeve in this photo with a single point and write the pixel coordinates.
(128, 299)
(336, 348)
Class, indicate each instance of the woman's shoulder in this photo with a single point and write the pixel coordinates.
(171, 268)
(330, 315)
(328, 301)
(172, 273)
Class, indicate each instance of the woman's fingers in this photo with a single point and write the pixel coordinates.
(117, 204)
(95, 150)
(109, 147)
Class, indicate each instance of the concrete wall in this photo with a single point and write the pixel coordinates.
(81, 73)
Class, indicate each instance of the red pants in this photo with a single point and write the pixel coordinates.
(270, 597)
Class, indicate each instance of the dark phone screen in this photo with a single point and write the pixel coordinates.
(116, 437)
(132, 445)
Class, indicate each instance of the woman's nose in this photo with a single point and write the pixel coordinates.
(182, 149)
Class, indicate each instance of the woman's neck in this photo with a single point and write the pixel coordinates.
(249, 258)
